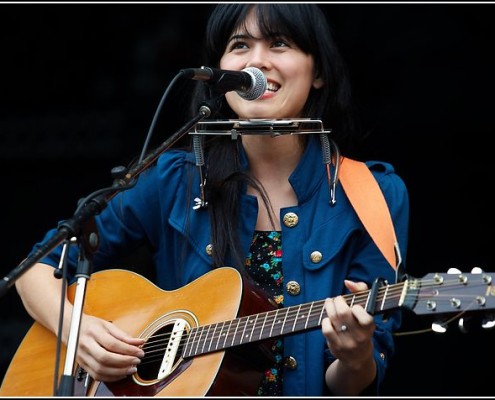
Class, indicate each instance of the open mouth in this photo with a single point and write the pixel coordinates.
(272, 87)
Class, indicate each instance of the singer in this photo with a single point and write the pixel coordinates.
(269, 212)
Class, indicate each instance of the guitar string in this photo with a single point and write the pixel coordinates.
(298, 308)
(158, 356)
(378, 297)
(290, 320)
(446, 322)
(290, 316)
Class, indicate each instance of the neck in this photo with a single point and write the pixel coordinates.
(275, 156)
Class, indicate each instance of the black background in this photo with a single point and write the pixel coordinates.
(80, 83)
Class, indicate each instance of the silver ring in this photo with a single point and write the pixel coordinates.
(343, 328)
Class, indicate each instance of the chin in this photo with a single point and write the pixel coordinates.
(254, 110)
(260, 114)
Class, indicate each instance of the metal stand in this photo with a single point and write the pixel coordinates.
(88, 244)
(95, 204)
(88, 240)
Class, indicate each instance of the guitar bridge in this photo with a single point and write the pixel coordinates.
(172, 348)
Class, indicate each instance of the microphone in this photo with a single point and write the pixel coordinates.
(250, 83)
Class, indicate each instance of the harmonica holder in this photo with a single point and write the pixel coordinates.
(269, 127)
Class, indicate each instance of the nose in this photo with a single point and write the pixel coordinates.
(259, 57)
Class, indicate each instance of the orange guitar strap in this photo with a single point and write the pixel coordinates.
(367, 199)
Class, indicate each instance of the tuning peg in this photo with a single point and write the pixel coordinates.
(439, 327)
(488, 323)
(474, 322)
(466, 324)
(454, 271)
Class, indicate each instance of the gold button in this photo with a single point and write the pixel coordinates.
(291, 219)
(316, 257)
(293, 288)
(290, 362)
(382, 356)
(209, 249)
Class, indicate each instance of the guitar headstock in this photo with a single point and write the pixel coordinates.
(450, 293)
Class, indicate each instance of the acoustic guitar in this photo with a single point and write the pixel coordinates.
(211, 337)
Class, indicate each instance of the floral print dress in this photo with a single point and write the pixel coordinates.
(264, 264)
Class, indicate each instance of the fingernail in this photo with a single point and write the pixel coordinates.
(131, 370)
(136, 361)
(141, 354)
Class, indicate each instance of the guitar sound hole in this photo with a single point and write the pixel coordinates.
(154, 352)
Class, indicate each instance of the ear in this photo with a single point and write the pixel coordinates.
(318, 83)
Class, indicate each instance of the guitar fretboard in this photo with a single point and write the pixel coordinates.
(279, 322)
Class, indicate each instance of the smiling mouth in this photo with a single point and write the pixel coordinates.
(272, 87)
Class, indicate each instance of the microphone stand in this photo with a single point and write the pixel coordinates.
(82, 221)
(94, 206)
(88, 243)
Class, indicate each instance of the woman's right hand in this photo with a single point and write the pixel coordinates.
(105, 351)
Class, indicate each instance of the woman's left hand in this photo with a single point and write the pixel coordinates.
(348, 330)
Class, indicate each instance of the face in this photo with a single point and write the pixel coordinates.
(289, 72)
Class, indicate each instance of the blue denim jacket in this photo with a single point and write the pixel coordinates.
(159, 211)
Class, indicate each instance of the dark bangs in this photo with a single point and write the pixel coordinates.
(292, 21)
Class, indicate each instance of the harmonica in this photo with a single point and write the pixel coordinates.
(272, 127)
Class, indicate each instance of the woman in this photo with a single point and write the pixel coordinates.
(252, 185)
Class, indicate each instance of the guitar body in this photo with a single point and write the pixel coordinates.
(142, 309)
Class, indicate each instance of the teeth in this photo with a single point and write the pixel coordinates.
(272, 87)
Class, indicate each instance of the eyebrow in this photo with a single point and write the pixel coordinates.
(248, 36)
(240, 36)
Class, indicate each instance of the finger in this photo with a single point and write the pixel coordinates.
(105, 366)
(326, 325)
(336, 318)
(93, 352)
(362, 316)
(109, 374)
(330, 308)
(102, 342)
(110, 358)
(330, 313)
(342, 310)
(355, 286)
(124, 344)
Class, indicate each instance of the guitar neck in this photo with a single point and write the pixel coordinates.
(282, 321)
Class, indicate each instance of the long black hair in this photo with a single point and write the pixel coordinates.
(307, 26)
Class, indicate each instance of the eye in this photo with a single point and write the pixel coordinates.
(238, 45)
(280, 43)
